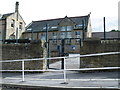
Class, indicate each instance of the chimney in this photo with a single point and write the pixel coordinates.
(16, 6)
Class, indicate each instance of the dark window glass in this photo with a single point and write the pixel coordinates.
(20, 25)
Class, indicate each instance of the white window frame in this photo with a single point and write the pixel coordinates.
(69, 28)
(63, 28)
(12, 23)
(29, 29)
(63, 35)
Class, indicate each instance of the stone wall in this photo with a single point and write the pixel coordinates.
(37, 50)
(93, 46)
(22, 51)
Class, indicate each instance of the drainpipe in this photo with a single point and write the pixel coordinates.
(83, 32)
(17, 35)
(4, 30)
(17, 11)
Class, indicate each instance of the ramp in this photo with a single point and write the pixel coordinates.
(71, 63)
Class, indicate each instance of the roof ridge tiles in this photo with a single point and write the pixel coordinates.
(59, 18)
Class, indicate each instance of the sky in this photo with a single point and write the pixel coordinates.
(34, 10)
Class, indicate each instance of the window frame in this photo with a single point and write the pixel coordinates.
(69, 34)
(63, 28)
(77, 35)
(54, 27)
(54, 37)
(43, 36)
(29, 29)
(12, 23)
(69, 28)
(20, 25)
(63, 35)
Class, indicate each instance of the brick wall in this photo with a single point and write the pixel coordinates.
(100, 46)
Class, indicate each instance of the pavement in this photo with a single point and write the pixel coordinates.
(71, 63)
(55, 79)
(75, 80)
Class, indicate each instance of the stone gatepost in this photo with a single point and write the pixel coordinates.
(44, 55)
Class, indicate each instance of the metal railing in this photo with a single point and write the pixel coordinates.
(63, 70)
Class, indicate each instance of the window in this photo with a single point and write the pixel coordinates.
(77, 40)
(62, 35)
(63, 28)
(69, 28)
(20, 25)
(43, 36)
(44, 27)
(12, 37)
(12, 23)
(68, 41)
(54, 41)
(54, 37)
(69, 34)
(80, 26)
(29, 29)
(77, 33)
(54, 27)
(66, 28)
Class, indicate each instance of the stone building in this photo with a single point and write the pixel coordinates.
(109, 35)
(71, 29)
(12, 25)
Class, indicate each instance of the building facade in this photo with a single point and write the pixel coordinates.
(108, 35)
(12, 25)
(71, 29)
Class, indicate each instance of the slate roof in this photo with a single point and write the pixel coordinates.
(109, 35)
(4, 16)
(38, 25)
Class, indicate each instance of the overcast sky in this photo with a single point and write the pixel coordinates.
(33, 10)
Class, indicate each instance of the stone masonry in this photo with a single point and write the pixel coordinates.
(92, 46)
(23, 51)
